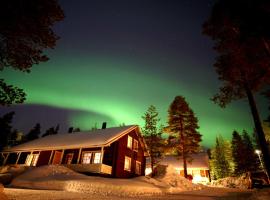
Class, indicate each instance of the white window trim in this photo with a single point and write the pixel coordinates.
(31, 159)
(136, 171)
(97, 161)
(92, 158)
(85, 152)
(129, 144)
(136, 141)
(127, 158)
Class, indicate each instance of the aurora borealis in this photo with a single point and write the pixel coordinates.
(115, 58)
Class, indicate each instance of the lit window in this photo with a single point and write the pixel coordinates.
(35, 159)
(195, 173)
(136, 145)
(129, 142)
(202, 172)
(31, 159)
(97, 157)
(127, 166)
(28, 159)
(138, 168)
(86, 157)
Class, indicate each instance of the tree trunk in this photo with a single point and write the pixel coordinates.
(259, 130)
(185, 164)
(266, 46)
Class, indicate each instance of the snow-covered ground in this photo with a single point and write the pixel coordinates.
(54, 177)
(204, 194)
(59, 183)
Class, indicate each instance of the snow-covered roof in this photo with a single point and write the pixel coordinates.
(199, 160)
(96, 138)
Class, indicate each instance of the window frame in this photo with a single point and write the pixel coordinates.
(69, 158)
(95, 158)
(136, 147)
(31, 159)
(138, 171)
(127, 158)
(129, 142)
(82, 158)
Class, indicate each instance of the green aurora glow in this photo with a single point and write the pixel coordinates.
(122, 92)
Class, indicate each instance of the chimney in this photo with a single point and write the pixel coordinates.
(104, 125)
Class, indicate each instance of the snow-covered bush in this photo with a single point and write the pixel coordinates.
(232, 182)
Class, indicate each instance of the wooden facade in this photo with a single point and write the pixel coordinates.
(123, 157)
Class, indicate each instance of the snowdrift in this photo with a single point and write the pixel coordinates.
(174, 182)
(241, 182)
(7, 173)
(56, 177)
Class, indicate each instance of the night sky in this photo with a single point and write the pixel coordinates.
(115, 58)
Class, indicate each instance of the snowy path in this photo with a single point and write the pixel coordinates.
(205, 194)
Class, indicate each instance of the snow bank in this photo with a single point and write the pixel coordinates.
(46, 177)
(2, 194)
(12, 169)
(7, 173)
(241, 182)
(57, 177)
(175, 182)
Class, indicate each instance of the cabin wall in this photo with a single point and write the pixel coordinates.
(43, 158)
(121, 150)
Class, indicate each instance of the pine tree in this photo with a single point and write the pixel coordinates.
(251, 163)
(243, 64)
(25, 34)
(220, 159)
(70, 129)
(242, 146)
(51, 131)
(238, 153)
(5, 129)
(152, 135)
(33, 133)
(182, 127)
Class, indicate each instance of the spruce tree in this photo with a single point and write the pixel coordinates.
(238, 153)
(152, 135)
(182, 127)
(220, 159)
(241, 40)
(251, 163)
(51, 131)
(33, 133)
(5, 129)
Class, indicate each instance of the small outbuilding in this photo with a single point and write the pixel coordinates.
(117, 152)
(198, 168)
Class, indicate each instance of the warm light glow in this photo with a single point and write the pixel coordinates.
(199, 179)
(127, 165)
(31, 159)
(148, 171)
(257, 151)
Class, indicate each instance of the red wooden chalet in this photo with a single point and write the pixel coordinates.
(116, 152)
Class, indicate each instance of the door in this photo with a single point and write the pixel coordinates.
(57, 157)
